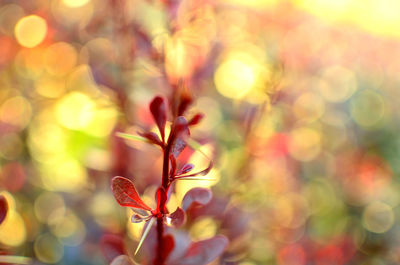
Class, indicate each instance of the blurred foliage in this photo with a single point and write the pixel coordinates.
(301, 114)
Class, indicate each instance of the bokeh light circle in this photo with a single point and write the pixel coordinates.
(30, 31)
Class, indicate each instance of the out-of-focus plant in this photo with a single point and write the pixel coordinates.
(167, 249)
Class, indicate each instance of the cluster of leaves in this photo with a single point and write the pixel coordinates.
(170, 248)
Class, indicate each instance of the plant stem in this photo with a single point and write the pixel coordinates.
(160, 224)
(160, 247)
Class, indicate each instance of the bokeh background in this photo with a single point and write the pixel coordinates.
(301, 100)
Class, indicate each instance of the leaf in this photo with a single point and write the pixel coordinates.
(112, 246)
(185, 169)
(200, 173)
(3, 208)
(123, 260)
(205, 251)
(195, 196)
(169, 244)
(177, 217)
(185, 101)
(126, 195)
(131, 137)
(173, 165)
(196, 119)
(146, 231)
(180, 126)
(161, 197)
(152, 138)
(178, 147)
(136, 218)
(179, 131)
(158, 109)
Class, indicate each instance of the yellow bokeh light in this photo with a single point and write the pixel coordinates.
(203, 229)
(75, 3)
(135, 229)
(75, 110)
(60, 58)
(201, 162)
(305, 144)
(29, 63)
(337, 83)
(16, 111)
(30, 31)
(64, 175)
(178, 64)
(367, 108)
(48, 249)
(234, 78)
(103, 120)
(308, 107)
(12, 230)
(50, 86)
(69, 229)
(70, 12)
(102, 207)
(378, 217)
(46, 204)
(55, 145)
(376, 16)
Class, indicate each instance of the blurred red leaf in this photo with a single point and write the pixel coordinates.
(177, 217)
(158, 109)
(3, 208)
(112, 246)
(173, 165)
(185, 169)
(169, 245)
(185, 100)
(180, 129)
(196, 119)
(200, 173)
(152, 137)
(126, 195)
(205, 251)
(200, 196)
(161, 197)
(136, 218)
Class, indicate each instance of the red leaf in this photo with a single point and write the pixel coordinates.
(195, 196)
(196, 119)
(177, 217)
(205, 251)
(161, 197)
(126, 195)
(185, 169)
(112, 246)
(169, 245)
(180, 129)
(152, 137)
(173, 165)
(158, 109)
(3, 208)
(180, 126)
(178, 147)
(200, 173)
(185, 101)
(136, 218)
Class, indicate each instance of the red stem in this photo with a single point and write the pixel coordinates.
(160, 224)
(160, 247)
